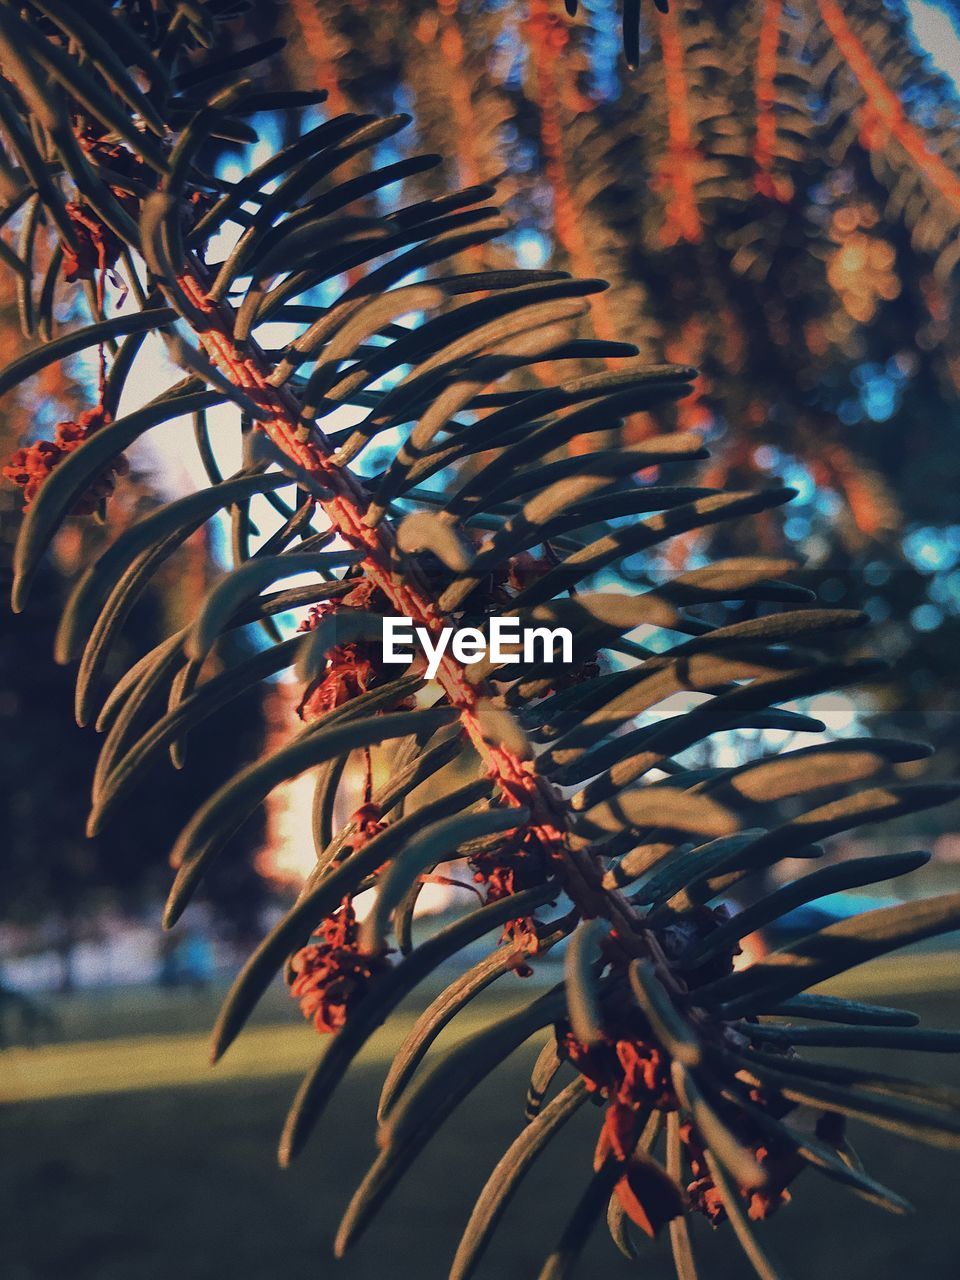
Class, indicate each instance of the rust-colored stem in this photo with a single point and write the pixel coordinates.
(518, 780)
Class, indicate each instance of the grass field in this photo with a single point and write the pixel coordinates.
(123, 1157)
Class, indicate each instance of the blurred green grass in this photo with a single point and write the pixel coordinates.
(104, 1178)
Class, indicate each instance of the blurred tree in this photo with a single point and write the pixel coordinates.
(774, 195)
(50, 871)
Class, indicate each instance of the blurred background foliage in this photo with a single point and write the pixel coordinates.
(52, 874)
(774, 195)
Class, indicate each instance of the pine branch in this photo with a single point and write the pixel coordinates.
(571, 781)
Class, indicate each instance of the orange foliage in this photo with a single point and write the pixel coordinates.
(837, 468)
(765, 180)
(882, 115)
(678, 167)
(548, 38)
(317, 40)
(862, 270)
